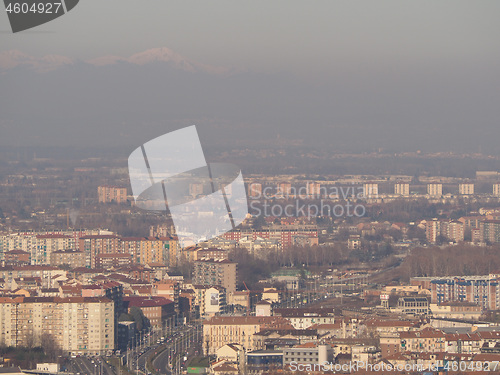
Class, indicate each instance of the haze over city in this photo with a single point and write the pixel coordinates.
(348, 76)
(243, 188)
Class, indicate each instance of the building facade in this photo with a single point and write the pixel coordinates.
(402, 189)
(466, 189)
(109, 194)
(435, 190)
(77, 325)
(216, 273)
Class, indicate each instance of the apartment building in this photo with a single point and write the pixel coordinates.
(402, 189)
(41, 244)
(72, 258)
(170, 289)
(432, 230)
(471, 222)
(171, 243)
(78, 325)
(216, 273)
(241, 298)
(313, 190)
(481, 290)
(112, 260)
(496, 190)
(448, 229)
(147, 250)
(212, 253)
(425, 340)
(453, 230)
(109, 194)
(159, 310)
(132, 246)
(255, 190)
(194, 253)
(48, 274)
(46, 244)
(456, 310)
(209, 300)
(370, 190)
(435, 190)
(466, 189)
(490, 231)
(214, 301)
(155, 250)
(432, 341)
(93, 245)
(17, 257)
(285, 235)
(111, 290)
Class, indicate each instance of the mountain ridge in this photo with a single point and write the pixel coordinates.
(11, 59)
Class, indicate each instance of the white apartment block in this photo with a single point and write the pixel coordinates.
(402, 189)
(370, 190)
(313, 189)
(435, 190)
(466, 189)
(496, 190)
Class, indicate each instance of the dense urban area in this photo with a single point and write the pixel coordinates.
(344, 272)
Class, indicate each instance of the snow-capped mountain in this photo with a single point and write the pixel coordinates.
(14, 58)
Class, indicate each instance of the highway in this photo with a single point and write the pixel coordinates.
(90, 366)
(178, 350)
(177, 343)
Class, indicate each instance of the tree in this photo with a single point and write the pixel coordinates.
(124, 317)
(50, 346)
(31, 339)
(141, 322)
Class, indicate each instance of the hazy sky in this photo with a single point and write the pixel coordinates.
(302, 37)
(360, 75)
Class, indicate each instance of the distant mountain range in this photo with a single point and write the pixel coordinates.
(14, 58)
(125, 101)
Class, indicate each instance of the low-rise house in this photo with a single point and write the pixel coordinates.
(233, 353)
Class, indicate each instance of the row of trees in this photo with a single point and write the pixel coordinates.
(459, 260)
(38, 348)
(259, 265)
